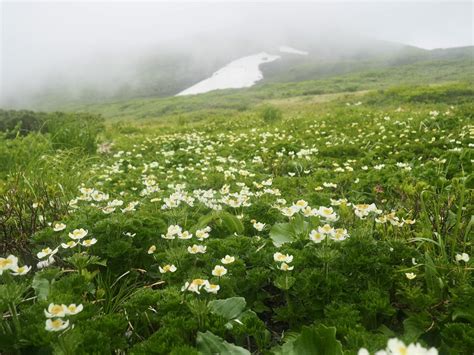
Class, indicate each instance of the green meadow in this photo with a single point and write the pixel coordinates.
(312, 217)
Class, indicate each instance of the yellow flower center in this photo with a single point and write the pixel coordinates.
(56, 309)
(57, 323)
(5, 262)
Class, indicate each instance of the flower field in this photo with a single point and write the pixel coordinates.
(336, 228)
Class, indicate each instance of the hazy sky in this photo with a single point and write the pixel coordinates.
(39, 38)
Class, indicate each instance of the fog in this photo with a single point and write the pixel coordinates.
(50, 47)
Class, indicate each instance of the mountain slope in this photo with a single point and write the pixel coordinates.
(221, 102)
(166, 71)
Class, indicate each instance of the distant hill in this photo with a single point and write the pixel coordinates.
(167, 71)
(222, 103)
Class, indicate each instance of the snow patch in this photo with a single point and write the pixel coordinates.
(241, 73)
(287, 49)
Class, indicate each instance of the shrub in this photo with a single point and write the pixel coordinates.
(270, 114)
(79, 130)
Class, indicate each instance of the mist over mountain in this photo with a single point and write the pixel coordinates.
(102, 53)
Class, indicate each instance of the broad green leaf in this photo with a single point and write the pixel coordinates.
(299, 225)
(284, 282)
(229, 308)
(210, 344)
(320, 340)
(41, 287)
(315, 340)
(281, 233)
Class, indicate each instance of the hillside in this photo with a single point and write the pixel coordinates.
(223, 102)
(166, 71)
(298, 223)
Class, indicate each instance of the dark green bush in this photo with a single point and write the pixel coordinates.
(74, 130)
(270, 114)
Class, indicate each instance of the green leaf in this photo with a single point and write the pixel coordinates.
(299, 225)
(320, 340)
(229, 308)
(284, 282)
(433, 281)
(95, 260)
(315, 340)
(415, 326)
(210, 344)
(41, 287)
(281, 233)
(231, 223)
(464, 313)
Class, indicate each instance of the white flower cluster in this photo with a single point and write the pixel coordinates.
(55, 314)
(10, 264)
(398, 347)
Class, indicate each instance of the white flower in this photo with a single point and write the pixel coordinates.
(195, 285)
(70, 244)
(8, 263)
(172, 232)
(259, 226)
(20, 270)
(59, 227)
(410, 275)
(288, 211)
(151, 249)
(56, 325)
(211, 288)
(185, 235)
(300, 205)
(286, 267)
(195, 249)
(46, 251)
(316, 237)
(72, 309)
(363, 210)
(341, 201)
(78, 234)
(45, 263)
(167, 268)
(327, 229)
(228, 259)
(108, 209)
(327, 213)
(340, 234)
(462, 257)
(279, 257)
(130, 207)
(89, 242)
(398, 347)
(202, 234)
(309, 212)
(55, 310)
(219, 271)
